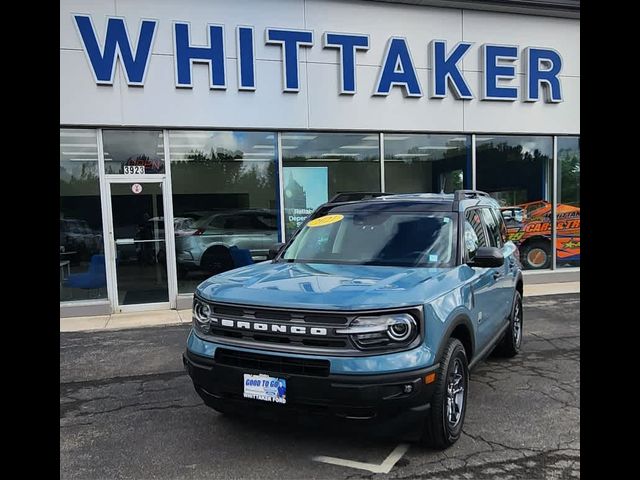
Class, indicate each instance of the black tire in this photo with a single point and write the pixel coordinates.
(217, 259)
(511, 343)
(440, 431)
(536, 255)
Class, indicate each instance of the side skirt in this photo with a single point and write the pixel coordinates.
(487, 350)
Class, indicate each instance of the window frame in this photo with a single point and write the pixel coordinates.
(465, 257)
(492, 215)
(504, 234)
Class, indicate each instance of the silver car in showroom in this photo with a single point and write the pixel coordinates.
(205, 246)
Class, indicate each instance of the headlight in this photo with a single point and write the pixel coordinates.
(201, 315)
(393, 330)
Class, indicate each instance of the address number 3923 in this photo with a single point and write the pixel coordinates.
(134, 170)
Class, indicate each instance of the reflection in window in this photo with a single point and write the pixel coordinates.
(133, 152)
(426, 163)
(568, 207)
(82, 264)
(224, 199)
(515, 170)
(318, 166)
(474, 236)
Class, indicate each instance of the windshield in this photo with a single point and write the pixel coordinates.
(413, 239)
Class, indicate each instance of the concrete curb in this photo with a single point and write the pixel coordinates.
(158, 318)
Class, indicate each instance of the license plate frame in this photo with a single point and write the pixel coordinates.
(264, 388)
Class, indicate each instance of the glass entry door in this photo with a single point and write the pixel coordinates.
(139, 242)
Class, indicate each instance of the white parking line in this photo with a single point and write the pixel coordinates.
(384, 467)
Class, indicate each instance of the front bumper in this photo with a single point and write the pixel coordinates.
(366, 399)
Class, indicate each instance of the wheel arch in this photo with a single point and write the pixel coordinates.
(461, 328)
(221, 248)
(520, 284)
(535, 238)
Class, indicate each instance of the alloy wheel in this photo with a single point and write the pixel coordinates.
(455, 393)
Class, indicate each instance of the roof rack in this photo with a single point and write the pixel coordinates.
(462, 194)
(459, 195)
(355, 196)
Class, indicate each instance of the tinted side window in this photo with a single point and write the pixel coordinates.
(474, 236)
(495, 237)
(503, 227)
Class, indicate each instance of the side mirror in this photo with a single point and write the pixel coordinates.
(274, 250)
(487, 257)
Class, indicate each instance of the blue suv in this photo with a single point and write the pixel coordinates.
(374, 311)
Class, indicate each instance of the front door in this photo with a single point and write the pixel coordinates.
(139, 242)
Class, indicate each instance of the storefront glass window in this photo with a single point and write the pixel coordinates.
(317, 166)
(82, 264)
(568, 208)
(133, 152)
(224, 201)
(426, 163)
(516, 170)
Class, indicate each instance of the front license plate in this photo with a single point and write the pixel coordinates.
(265, 388)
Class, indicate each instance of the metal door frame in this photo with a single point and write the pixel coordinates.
(110, 247)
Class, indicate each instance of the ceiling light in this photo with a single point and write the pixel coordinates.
(411, 155)
(485, 139)
(74, 133)
(427, 147)
(298, 137)
(340, 155)
(390, 138)
(359, 147)
(79, 153)
(79, 145)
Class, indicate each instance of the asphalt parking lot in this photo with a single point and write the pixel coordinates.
(128, 410)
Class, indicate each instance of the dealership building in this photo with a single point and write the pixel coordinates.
(192, 131)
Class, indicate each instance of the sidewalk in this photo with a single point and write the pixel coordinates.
(156, 318)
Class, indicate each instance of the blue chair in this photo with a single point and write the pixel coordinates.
(240, 256)
(95, 277)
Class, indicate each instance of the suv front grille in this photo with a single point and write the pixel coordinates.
(287, 330)
(272, 363)
(309, 322)
(279, 315)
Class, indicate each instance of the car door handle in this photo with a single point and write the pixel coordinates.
(496, 275)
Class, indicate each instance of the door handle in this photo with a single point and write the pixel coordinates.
(125, 241)
(496, 275)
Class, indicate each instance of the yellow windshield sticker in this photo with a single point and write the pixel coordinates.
(326, 220)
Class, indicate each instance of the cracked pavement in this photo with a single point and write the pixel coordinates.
(128, 410)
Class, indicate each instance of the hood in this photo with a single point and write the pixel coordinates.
(321, 286)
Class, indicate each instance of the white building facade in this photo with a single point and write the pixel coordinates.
(188, 128)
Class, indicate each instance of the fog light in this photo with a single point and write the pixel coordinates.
(408, 388)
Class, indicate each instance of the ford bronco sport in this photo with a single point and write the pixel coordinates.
(374, 311)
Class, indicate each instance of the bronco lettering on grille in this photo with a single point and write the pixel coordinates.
(269, 327)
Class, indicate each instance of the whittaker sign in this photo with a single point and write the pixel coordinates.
(499, 81)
